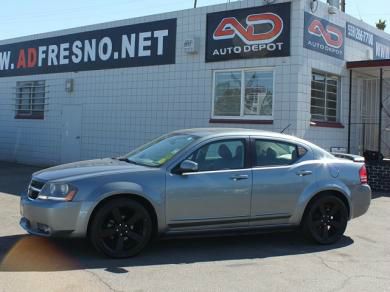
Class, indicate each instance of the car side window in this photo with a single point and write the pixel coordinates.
(268, 153)
(220, 155)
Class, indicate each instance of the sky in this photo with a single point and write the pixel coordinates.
(26, 17)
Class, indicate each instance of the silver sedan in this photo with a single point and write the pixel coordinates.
(198, 181)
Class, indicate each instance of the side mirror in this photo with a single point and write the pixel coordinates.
(188, 166)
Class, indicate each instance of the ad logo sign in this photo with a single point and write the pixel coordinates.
(324, 37)
(230, 27)
(143, 44)
(248, 33)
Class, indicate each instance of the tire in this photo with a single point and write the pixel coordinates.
(325, 219)
(121, 228)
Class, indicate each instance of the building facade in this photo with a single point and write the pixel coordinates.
(102, 90)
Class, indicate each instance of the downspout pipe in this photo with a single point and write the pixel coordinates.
(380, 110)
(349, 111)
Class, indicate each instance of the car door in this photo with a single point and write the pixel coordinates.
(218, 195)
(281, 172)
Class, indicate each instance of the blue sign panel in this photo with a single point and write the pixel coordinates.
(256, 32)
(144, 44)
(359, 34)
(381, 48)
(323, 36)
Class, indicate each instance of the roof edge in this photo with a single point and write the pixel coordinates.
(368, 64)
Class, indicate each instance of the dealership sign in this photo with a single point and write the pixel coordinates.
(151, 43)
(257, 32)
(323, 36)
(360, 35)
(381, 48)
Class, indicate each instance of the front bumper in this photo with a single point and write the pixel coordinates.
(51, 218)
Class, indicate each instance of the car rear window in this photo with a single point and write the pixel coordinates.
(270, 153)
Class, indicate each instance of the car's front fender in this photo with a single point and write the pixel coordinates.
(152, 194)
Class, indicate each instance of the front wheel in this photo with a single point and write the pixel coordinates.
(325, 219)
(121, 228)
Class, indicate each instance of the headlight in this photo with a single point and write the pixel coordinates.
(57, 192)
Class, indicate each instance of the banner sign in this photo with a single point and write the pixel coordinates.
(381, 48)
(323, 36)
(256, 32)
(144, 44)
(360, 35)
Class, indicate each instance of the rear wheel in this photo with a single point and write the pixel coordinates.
(121, 228)
(325, 219)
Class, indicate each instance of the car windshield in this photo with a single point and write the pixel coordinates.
(160, 150)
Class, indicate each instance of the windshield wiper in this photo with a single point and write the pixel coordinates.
(130, 161)
(125, 159)
(122, 159)
(134, 162)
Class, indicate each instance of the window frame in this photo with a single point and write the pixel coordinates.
(247, 155)
(327, 76)
(242, 116)
(253, 152)
(32, 114)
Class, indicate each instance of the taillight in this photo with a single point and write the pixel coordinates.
(363, 175)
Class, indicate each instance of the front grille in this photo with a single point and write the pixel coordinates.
(34, 188)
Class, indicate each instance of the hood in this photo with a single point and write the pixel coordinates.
(86, 168)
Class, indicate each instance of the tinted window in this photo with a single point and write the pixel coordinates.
(227, 154)
(277, 153)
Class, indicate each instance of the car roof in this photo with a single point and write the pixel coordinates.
(215, 132)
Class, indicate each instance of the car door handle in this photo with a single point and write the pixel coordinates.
(239, 177)
(304, 172)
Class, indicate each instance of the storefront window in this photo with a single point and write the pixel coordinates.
(243, 94)
(324, 97)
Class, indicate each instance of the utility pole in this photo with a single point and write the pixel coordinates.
(195, 2)
(343, 5)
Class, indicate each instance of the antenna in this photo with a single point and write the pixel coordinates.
(195, 2)
(343, 5)
(288, 126)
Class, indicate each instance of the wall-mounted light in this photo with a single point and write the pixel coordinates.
(334, 6)
(313, 5)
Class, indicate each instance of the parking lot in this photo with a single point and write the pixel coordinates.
(265, 262)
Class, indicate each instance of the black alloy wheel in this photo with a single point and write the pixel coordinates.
(121, 228)
(326, 219)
